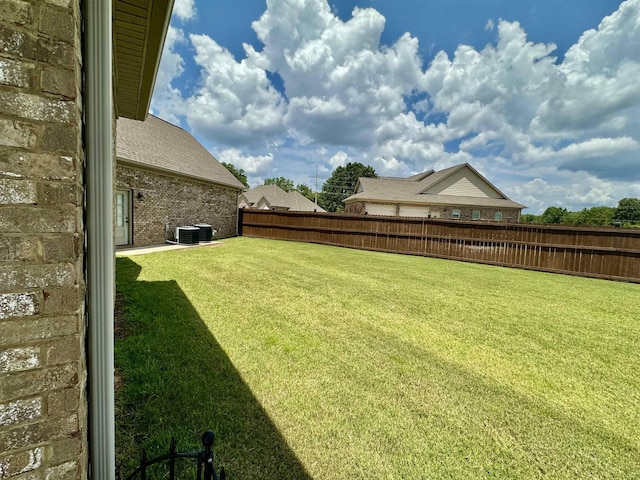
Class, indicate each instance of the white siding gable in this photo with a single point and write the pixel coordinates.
(243, 202)
(262, 204)
(463, 183)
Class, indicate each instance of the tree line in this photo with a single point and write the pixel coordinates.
(626, 214)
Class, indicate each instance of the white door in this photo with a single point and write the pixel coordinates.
(122, 217)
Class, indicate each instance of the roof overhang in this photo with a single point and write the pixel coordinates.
(139, 31)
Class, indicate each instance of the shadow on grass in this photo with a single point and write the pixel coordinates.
(175, 380)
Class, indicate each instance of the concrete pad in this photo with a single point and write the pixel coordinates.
(130, 251)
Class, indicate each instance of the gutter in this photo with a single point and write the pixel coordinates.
(99, 253)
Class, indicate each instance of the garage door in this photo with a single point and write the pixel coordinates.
(380, 209)
(413, 211)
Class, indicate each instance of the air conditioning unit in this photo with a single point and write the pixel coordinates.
(188, 235)
(206, 232)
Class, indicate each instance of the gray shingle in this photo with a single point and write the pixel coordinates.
(276, 197)
(160, 145)
(408, 190)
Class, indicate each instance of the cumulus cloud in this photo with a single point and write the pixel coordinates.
(598, 78)
(340, 159)
(595, 156)
(575, 191)
(341, 83)
(235, 102)
(252, 165)
(184, 9)
(167, 100)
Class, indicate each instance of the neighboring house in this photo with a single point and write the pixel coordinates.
(166, 179)
(272, 197)
(458, 192)
(67, 69)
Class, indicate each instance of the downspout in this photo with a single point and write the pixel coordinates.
(99, 244)
(238, 215)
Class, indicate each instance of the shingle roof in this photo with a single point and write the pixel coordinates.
(277, 197)
(160, 145)
(409, 190)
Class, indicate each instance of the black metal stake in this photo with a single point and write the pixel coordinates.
(204, 458)
(207, 455)
(143, 474)
(172, 458)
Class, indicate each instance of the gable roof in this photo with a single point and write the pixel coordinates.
(162, 146)
(449, 186)
(274, 196)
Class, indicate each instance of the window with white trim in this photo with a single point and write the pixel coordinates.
(455, 214)
(475, 215)
(497, 216)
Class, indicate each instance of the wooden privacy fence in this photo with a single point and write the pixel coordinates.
(593, 252)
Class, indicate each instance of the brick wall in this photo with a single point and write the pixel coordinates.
(42, 371)
(175, 201)
(356, 208)
(487, 214)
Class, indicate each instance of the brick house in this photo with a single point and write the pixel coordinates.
(164, 179)
(62, 64)
(457, 193)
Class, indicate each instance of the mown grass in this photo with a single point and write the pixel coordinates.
(317, 362)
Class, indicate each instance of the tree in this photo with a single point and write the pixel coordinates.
(341, 184)
(530, 218)
(600, 215)
(590, 216)
(306, 191)
(284, 183)
(553, 215)
(237, 172)
(628, 210)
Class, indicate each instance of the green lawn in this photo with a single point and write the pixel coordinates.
(311, 361)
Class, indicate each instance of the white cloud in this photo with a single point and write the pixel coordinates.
(184, 9)
(340, 159)
(508, 80)
(595, 156)
(342, 84)
(235, 103)
(252, 165)
(575, 191)
(490, 25)
(598, 147)
(167, 100)
(597, 80)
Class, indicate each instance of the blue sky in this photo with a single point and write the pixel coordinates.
(542, 97)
